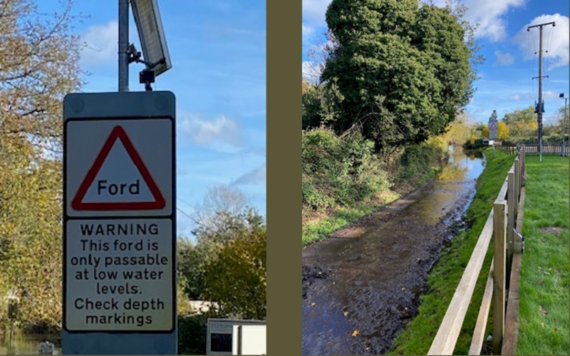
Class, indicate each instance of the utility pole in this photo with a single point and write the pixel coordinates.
(540, 107)
(123, 45)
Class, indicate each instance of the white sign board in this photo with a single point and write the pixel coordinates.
(220, 334)
(119, 223)
(119, 275)
(119, 167)
(493, 130)
(249, 340)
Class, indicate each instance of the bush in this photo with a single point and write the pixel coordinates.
(339, 170)
(418, 160)
(192, 334)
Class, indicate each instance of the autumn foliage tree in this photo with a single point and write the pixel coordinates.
(237, 279)
(226, 264)
(521, 123)
(503, 131)
(38, 66)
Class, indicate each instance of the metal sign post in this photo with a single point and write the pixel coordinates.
(119, 243)
(123, 26)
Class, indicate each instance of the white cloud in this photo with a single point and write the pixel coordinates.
(549, 94)
(101, 43)
(314, 12)
(258, 175)
(487, 13)
(221, 130)
(308, 33)
(503, 59)
(516, 96)
(555, 40)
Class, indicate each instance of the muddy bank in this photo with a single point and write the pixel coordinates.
(361, 286)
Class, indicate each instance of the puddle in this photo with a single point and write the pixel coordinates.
(373, 280)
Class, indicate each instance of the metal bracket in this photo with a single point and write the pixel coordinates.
(146, 76)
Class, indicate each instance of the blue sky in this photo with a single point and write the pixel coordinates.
(504, 82)
(218, 55)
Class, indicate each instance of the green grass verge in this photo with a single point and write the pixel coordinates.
(317, 231)
(442, 282)
(544, 270)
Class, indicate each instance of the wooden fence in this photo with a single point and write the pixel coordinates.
(533, 149)
(501, 223)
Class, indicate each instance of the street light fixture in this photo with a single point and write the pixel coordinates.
(563, 152)
(151, 34)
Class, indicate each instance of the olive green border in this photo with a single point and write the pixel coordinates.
(284, 46)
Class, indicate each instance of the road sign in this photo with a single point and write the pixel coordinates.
(119, 226)
(119, 275)
(109, 191)
(121, 165)
(493, 130)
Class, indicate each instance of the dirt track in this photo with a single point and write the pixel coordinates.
(368, 277)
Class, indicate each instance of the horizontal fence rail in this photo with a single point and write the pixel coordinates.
(550, 149)
(500, 224)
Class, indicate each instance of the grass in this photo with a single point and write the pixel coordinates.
(442, 282)
(545, 262)
(338, 218)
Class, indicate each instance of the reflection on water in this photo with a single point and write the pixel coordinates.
(452, 183)
(469, 162)
(26, 344)
(376, 277)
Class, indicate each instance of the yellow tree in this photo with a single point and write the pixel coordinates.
(458, 130)
(38, 66)
(237, 279)
(503, 131)
(502, 128)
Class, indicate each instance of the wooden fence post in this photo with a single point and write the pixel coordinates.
(511, 196)
(516, 186)
(523, 166)
(499, 274)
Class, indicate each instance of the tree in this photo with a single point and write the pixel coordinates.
(237, 278)
(521, 123)
(222, 217)
(458, 130)
(320, 105)
(485, 132)
(526, 116)
(503, 129)
(39, 64)
(220, 204)
(403, 70)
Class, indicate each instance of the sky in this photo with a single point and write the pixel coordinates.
(218, 52)
(505, 79)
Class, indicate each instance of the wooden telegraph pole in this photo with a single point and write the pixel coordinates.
(540, 106)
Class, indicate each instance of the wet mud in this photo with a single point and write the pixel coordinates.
(361, 286)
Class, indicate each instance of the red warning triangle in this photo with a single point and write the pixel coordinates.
(493, 126)
(118, 203)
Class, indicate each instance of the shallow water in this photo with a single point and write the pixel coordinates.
(26, 344)
(374, 279)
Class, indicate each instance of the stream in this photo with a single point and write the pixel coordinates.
(361, 286)
(27, 344)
